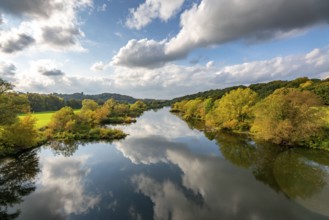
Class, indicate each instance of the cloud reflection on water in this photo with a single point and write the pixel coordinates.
(62, 190)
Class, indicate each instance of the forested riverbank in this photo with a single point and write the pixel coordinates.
(295, 114)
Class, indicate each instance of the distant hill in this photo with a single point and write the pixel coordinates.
(100, 98)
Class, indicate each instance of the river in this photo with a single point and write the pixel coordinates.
(166, 169)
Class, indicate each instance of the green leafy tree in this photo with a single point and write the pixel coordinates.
(12, 104)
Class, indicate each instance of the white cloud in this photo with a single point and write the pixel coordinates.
(98, 66)
(210, 64)
(47, 76)
(142, 53)
(48, 25)
(214, 22)
(152, 9)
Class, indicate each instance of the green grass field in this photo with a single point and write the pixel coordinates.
(43, 118)
(327, 109)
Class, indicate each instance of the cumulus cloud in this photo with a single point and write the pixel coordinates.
(152, 9)
(51, 25)
(214, 22)
(60, 36)
(142, 53)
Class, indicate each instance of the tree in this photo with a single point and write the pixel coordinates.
(233, 110)
(21, 134)
(11, 104)
(138, 106)
(89, 104)
(74, 103)
(5, 86)
(63, 120)
(15, 133)
(288, 116)
(101, 114)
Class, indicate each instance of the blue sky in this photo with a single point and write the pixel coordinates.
(160, 48)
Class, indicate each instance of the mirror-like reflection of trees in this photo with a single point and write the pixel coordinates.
(298, 176)
(17, 176)
(64, 148)
(68, 148)
(299, 173)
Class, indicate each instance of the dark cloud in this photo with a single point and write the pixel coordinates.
(53, 72)
(8, 69)
(38, 8)
(17, 43)
(61, 36)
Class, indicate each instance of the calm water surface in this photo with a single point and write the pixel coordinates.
(166, 170)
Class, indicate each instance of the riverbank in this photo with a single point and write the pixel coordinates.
(320, 142)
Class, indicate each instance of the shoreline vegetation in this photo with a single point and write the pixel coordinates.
(287, 113)
(292, 115)
(21, 130)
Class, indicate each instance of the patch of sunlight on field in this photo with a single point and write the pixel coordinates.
(43, 118)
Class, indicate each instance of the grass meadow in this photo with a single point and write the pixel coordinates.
(43, 118)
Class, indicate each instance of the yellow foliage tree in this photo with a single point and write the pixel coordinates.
(21, 134)
(89, 104)
(288, 116)
(63, 120)
(233, 110)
